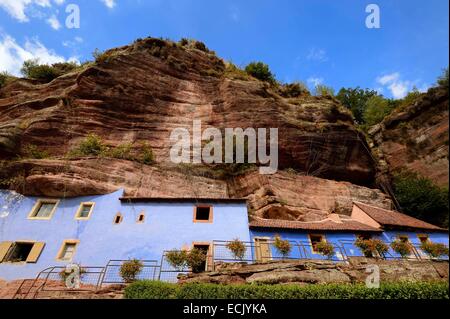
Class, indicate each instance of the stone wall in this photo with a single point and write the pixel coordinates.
(322, 271)
(53, 290)
(302, 272)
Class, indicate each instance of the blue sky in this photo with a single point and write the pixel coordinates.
(315, 41)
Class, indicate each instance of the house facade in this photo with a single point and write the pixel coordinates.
(36, 233)
(365, 222)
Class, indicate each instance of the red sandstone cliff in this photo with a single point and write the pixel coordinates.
(140, 93)
(416, 138)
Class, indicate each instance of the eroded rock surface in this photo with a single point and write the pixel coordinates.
(322, 271)
(417, 137)
(139, 93)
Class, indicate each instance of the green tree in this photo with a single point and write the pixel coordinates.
(260, 71)
(443, 78)
(421, 198)
(377, 107)
(33, 70)
(355, 100)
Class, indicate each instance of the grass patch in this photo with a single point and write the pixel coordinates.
(5, 78)
(235, 73)
(403, 290)
(94, 146)
(33, 152)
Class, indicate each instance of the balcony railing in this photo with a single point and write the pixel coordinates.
(94, 278)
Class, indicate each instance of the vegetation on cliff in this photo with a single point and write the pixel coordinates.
(32, 69)
(421, 198)
(94, 146)
(131, 97)
(370, 108)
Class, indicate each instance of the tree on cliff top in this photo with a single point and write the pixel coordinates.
(33, 70)
(355, 100)
(377, 108)
(260, 71)
(443, 78)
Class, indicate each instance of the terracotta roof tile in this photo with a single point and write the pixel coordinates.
(181, 199)
(392, 218)
(327, 224)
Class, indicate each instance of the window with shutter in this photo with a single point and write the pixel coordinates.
(4, 249)
(35, 252)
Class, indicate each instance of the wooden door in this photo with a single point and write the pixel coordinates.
(262, 250)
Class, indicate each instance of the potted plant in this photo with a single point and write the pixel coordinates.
(284, 247)
(130, 270)
(196, 259)
(402, 248)
(177, 259)
(325, 249)
(237, 248)
(372, 247)
(434, 250)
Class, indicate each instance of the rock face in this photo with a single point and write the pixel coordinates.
(139, 93)
(322, 271)
(54, 290)
(417, 137)
(289, 196)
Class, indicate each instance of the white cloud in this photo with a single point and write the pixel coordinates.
(17, 8)
(398, 87)
(12, 55)
(73, 43)
(314, 81)
(319, 55)
(54, 22)
(109, 3)
(388, 78)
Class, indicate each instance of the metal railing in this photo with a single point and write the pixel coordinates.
(93, 278)
(351, 250)
(169, 273)
(267, 251)
(52, 280)
(111, 272)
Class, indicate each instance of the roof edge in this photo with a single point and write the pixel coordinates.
(181, 199)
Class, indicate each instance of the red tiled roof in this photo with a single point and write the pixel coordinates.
(393, 218)
(326, 224)
(181, 199)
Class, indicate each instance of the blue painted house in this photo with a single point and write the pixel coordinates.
(366, 221)
(36, 233)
